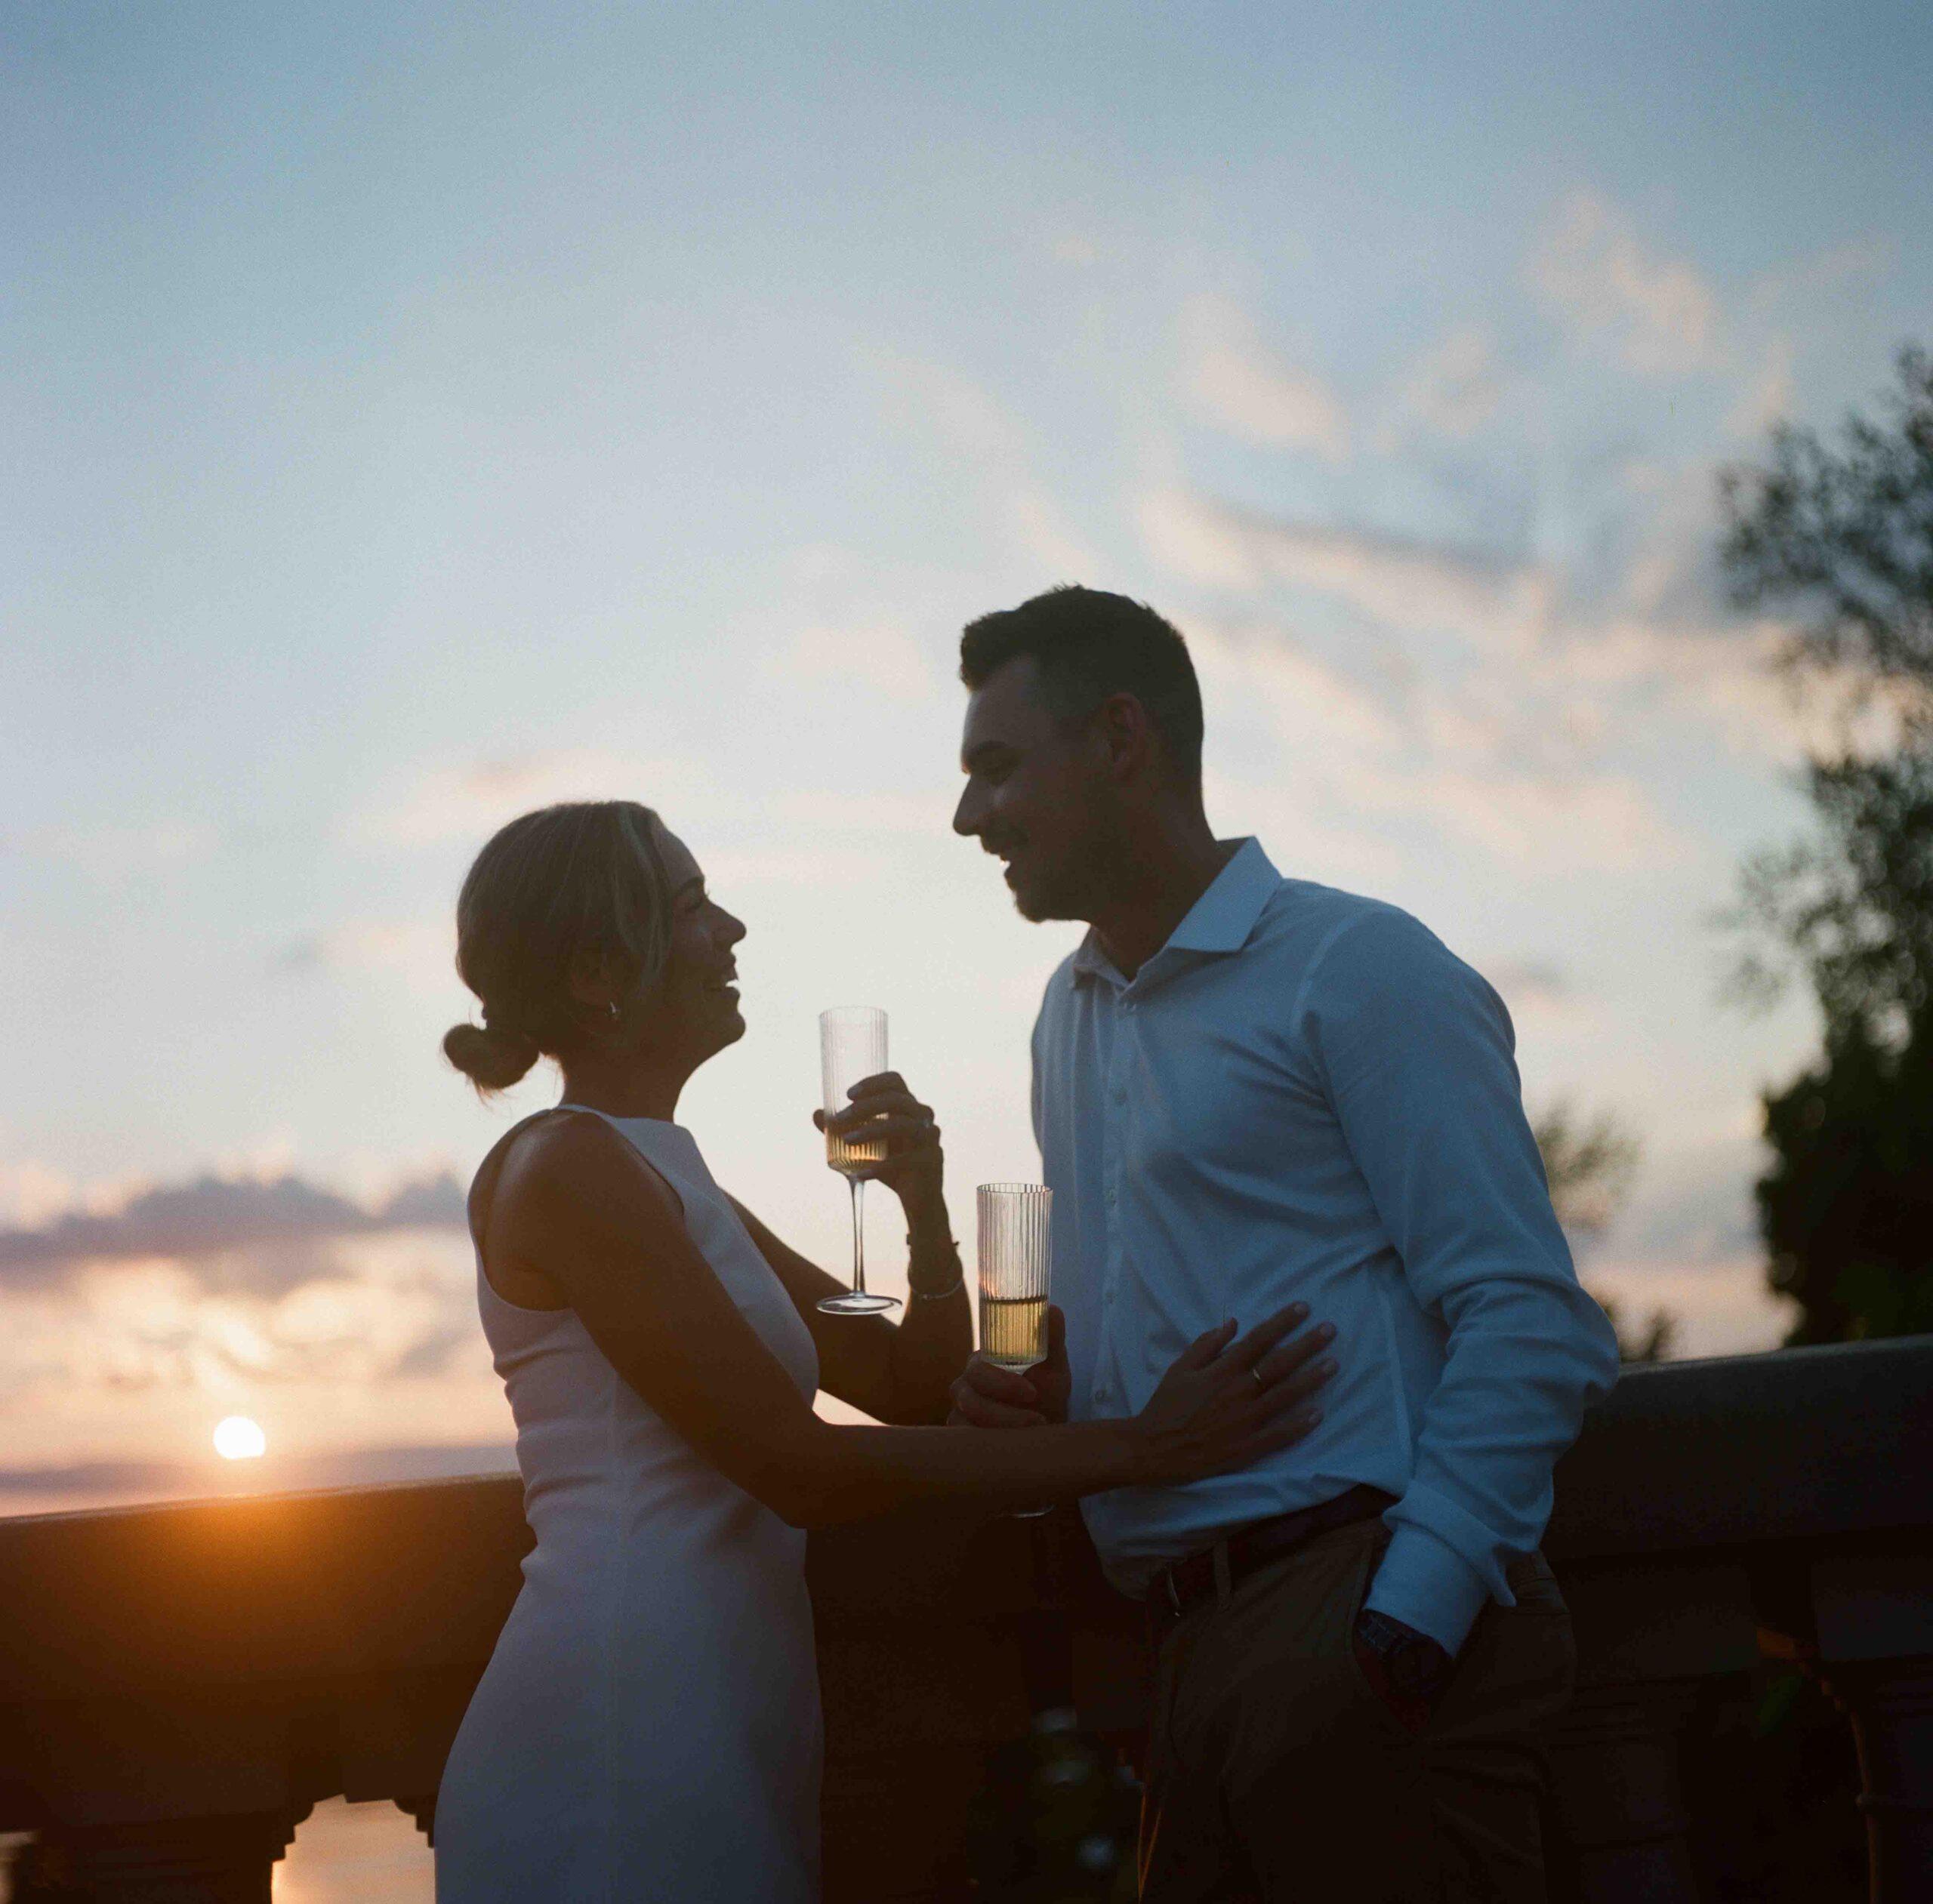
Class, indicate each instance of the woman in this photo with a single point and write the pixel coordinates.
(648, 1728)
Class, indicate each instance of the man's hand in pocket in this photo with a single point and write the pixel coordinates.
(1406, 1670)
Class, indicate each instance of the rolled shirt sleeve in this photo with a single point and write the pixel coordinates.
(1417, 1052)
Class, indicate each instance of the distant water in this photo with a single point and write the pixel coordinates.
(356, 1854)
(129, 1483)
(343, 1854)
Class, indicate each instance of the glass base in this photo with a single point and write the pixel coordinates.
(1028, 1513)
(851, 1302)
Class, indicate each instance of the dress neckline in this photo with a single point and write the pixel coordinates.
(663, 1123)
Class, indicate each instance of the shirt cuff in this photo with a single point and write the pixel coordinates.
(1428, 1585)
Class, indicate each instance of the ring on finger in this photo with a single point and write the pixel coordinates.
(1255, 1375)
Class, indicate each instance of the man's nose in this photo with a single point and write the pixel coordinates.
(969, 814)
(733, 930)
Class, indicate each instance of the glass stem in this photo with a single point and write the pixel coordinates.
(858, 1234)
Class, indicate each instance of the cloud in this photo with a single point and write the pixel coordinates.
(1726, 676)
(1406, 584)
(822, 810)
(347, 1315)
(1835, 269)
(32, 1194)
(113, 853)
(1532, 987)
(1455, 386)
(1768, 399)
(1361, 751)
(1308, 697)
(1553, 662)
(1717, 1308)
(1694, 1207)
(1580, 821)
(1234, 381)
(439, 1351)
(470, 801)
(997, 450)
(1590, 268)
(1039, 525)
(826, 869)
(420, 952)
(262, 1237)
(972, 420)
(881, 654)
(1511, 704)
(1688, 1243)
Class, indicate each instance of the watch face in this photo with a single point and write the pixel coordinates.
(1416, 1667)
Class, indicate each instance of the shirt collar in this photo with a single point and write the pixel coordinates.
(1221, 921)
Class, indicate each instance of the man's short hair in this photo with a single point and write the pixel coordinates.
(1088, 645)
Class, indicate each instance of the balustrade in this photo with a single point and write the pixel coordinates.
(179, 1685)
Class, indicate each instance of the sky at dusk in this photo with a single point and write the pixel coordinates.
(418, 413)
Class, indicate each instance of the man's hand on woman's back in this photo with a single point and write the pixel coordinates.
(984, 1396)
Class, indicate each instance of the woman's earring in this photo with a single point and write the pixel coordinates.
(614, 1011)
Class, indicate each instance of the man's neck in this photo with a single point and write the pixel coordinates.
(1176, 861)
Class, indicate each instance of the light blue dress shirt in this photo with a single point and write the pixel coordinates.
(1304, 1095)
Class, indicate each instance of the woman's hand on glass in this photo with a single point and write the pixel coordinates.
(1226, 1403)
(884, 1111)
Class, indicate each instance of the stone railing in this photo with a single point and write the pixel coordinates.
(180, 1684)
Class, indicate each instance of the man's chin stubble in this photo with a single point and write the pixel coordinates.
(1044, 910)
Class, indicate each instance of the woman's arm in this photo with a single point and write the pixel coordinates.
(577, 1203)
(902, 1373)
(896, 1373)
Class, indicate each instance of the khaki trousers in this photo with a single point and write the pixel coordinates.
(1275, 1774)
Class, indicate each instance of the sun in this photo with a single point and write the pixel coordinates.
(238, 1439)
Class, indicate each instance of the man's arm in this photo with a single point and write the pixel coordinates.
(1417, 1052)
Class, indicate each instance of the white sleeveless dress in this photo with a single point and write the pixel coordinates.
(648, 1728)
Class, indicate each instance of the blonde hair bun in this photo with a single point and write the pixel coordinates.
(492, 1060)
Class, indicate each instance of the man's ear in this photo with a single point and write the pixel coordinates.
(1125, 730)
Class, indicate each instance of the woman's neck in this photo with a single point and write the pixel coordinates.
(624, 1086)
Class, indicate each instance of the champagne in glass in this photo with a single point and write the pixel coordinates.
(848, 1155)
(1016, 1253)
(852, 1045)
(1014, 1330)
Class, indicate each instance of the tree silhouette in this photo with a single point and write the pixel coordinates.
(1590, 1163)
(1847, 1207)
(1843, 535)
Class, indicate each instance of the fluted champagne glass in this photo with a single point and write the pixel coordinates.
(1016, 1251)
(852, 1045)
(1015, 1257)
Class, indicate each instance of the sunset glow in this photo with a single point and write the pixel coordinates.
(238, 1439)
(474, 438)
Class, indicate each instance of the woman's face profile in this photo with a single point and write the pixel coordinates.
(696, 1000)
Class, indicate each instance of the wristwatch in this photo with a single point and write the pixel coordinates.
(1416, 1665)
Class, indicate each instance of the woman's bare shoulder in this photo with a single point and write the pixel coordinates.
(565, 1163)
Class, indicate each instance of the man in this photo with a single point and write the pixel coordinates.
(1246, 1090)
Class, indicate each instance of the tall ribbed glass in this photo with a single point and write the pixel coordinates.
(852, 1045)
(1015, 1254)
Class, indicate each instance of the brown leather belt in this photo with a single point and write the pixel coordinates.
(1182, 1583)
